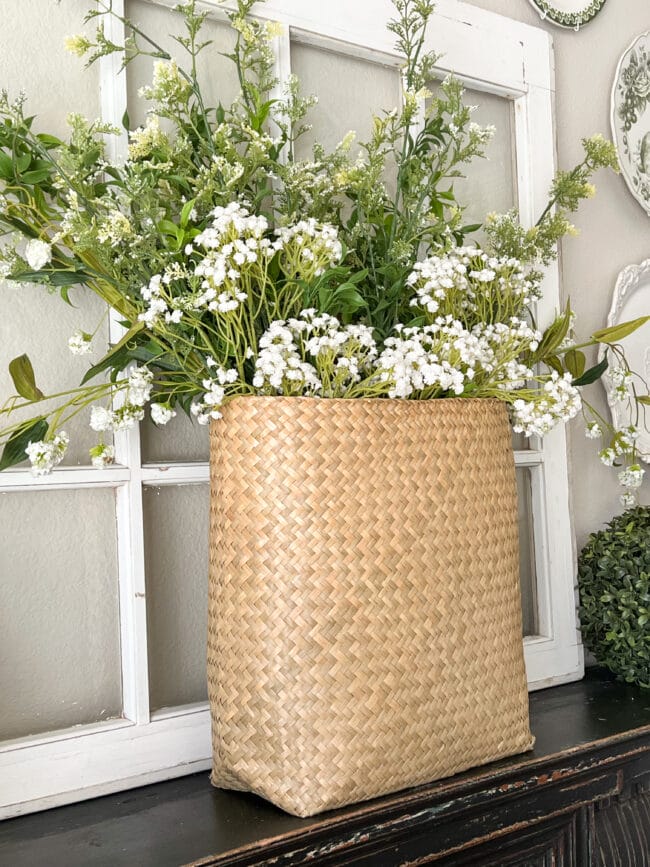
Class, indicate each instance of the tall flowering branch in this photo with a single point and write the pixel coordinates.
(239, 269)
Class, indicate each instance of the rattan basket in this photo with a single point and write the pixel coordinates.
(365, 623)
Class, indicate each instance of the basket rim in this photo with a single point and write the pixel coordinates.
(393, 401)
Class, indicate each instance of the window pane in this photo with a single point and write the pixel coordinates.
(181, 439)
(39, 323)
(527, 552)
(26, 33)
(349, 92)
(59, 640)
(217, 74)
(520, 442)
(176, 558)
(490, 184)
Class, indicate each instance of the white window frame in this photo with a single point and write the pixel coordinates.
(490, 53)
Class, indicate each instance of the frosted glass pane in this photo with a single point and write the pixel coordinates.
(59, 633)
(520, 442)
(527, 572)
(489, 184)
(349, 92)
(34, 321)
(176, 552)
(31, 319)
(55, 82)
(217, 74)
(181, 439)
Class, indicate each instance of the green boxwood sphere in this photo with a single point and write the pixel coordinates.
(614, 580)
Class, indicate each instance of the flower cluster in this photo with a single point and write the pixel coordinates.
(44, 455)
(467, 282)
(130, 402)
(234, 241)
(558, 401)
(307, 246)
(237, 267)
(209, 406)
(313, 354)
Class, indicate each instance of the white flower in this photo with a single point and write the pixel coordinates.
(593, 430)
(621, 380)
(628, 499)
(210, 406)
(79, 343)
(607, 456)
(38, 254)
(631, 477)
(161, 414)
(46, 454)
(102, 455)
(140, 386)
(101, 419)
(126, 416)
(558, 401)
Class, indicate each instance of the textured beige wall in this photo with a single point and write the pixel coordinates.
(614, 229)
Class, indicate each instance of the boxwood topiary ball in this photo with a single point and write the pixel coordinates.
(614, 580)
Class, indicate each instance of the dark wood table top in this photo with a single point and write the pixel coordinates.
(185, 821)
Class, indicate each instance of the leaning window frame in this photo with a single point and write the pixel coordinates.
(489, 53)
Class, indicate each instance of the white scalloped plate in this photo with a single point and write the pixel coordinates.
(571, 14)
(631, 300)
(630, 117)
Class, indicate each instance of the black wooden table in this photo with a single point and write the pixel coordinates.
(581, 798)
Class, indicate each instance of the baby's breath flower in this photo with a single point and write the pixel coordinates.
(79, 343)
(139, 386)
(607, 456)
(101, 418)
(46, 454)
(38, 254)
(102, 455)
(161, 413)
(631, 477)
(593, 430)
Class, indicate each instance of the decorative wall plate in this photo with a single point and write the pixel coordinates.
(631, 299)
(568, 13)
(631, 117)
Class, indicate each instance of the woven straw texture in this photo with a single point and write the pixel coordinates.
(365, 623)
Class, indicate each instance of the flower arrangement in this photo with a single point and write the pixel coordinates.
(237, 268)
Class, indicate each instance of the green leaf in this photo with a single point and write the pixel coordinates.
(52, 278)
(554, 363)
(6, 166)
(575, 362)
(554, 335)
(644, 399)
(185, 213)
(14, 450)
(166, 227)
(116, 355)
(22, 374)
(618, 332)
(49, 141)
(35, 177)
(592, 374)
(126, 121)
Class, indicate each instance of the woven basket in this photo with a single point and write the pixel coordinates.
(365, 623)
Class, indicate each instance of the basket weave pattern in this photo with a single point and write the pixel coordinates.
(364, 623)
